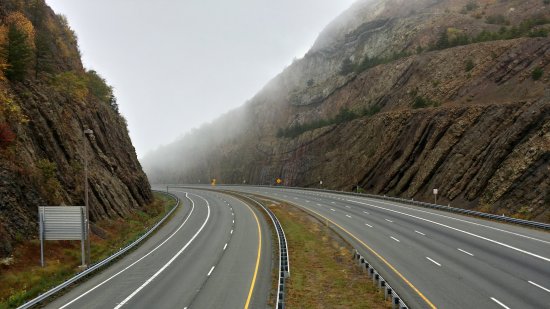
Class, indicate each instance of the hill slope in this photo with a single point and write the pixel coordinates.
(47, 100)
(399, 97)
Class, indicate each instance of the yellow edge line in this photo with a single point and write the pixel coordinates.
(383, 260)
(253, 283)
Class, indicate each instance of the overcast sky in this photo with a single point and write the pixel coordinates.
(176, 64)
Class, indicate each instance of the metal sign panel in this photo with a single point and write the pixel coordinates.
(62, 222)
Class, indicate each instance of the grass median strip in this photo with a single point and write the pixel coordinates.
(323, 272)
(22, 278)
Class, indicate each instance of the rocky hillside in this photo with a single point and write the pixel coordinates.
(47, 100)
(398, 97)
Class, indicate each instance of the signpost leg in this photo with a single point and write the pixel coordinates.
(83, 239)
(41, 221)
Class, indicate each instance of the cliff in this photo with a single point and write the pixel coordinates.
(47, 100)
(398, 97)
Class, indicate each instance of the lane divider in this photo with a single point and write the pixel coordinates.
(380, 257)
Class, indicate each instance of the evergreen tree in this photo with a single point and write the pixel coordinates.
(19, 54)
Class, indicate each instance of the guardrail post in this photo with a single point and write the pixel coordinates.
(395, 302)
(371, 272)
(387, 292)
(375, 278)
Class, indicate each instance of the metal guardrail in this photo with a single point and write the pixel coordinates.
(284, 263)
(534, 224)
(381, 283)
(96, 266)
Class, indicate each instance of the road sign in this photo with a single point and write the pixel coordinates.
(279, 181)
(213, 183)
(435, 191)
(61, 223)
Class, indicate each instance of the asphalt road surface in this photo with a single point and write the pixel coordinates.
(214, 253)
(434, 258)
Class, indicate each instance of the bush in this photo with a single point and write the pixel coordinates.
(472, 5)
(469, 65)
(49, 183)
(6, 135)
(537, 73)
(71, 84)
(344, 115)
(497, 20)
(421, 102)
(347, 67)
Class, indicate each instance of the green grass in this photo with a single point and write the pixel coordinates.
(323, 274)
(25, 279)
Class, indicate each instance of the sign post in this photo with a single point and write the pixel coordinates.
(62, 223)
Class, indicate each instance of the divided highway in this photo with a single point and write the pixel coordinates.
(214, 253)
(436, 259)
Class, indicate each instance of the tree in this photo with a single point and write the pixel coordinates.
(18, 54)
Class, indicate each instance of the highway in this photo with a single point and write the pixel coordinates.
(214, 253)
(436, 259)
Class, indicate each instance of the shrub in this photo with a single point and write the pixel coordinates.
(49, 183)
(497, 20)
(347, 67)
(472, 5)
(537, 73)
(421, 102)
(469, 65)
(71, 84)
(6, 135)
(370, 111)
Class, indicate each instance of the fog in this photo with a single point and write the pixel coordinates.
(178, 64)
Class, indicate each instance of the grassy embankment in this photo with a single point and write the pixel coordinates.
(23, 279)
(323, 274)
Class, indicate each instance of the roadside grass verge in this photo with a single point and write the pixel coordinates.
(23, 278)
(323, 274)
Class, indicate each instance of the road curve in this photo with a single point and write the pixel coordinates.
(436, 259)
(214, 253)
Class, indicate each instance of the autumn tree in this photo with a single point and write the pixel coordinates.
(18, 48)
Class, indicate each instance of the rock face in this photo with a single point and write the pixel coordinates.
(45, 108)
(443, 94)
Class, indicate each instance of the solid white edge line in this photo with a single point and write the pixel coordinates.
(134, 263)
(395, 239)
(464, 251)
(170, 261)
(539, 286)
(462, 231)
(420, 233)
(498, 302)
(465, 221)
(210, 272)
(436, 263)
